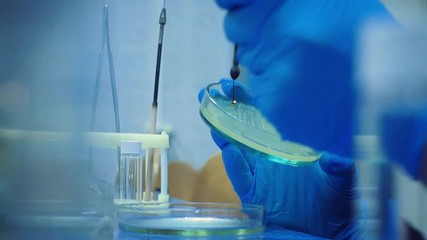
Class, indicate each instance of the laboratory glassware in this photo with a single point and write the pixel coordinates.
(244, 125)
(130, 172)
(192, 219)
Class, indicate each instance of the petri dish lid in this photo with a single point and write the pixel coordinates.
(191, 219)
(244, 125)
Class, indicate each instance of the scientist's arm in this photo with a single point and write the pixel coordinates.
(299, 56)
(318, 199)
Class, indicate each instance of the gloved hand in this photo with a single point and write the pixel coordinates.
(410, 125)
(317, 199)
(299, 57)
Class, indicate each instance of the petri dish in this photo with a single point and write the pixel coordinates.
(244, 125)
(191, 219)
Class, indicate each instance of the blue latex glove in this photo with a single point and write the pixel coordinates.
(317, 199)
(299, 57)
(404, 136)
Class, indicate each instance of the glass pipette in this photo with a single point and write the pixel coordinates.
(149, 162)
(234, 71)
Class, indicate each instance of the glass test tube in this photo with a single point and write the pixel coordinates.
(130, 176)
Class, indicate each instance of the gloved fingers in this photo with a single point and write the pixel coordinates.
(258, 57)
(237, 169)
(409, 123)
(202, 92)
(340, 173)
(249, 157)
(219, 141)
(233, 4)
(241, 92)
(337, 166)
(303, 109)
(244, 20)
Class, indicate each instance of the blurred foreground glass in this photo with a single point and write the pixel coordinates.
(51, 193)
(47, 190)
(392, 75)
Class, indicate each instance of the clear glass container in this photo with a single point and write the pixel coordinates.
(129, 185)
(243, 125)
(191, 219)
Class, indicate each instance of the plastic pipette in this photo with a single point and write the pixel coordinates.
(150, 160)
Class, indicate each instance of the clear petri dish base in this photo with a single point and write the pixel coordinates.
(244, 125)
(192, 219)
